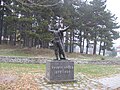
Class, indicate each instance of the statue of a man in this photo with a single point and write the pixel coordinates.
(58, 42)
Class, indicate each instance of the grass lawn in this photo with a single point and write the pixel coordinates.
(13, 52)
(89, 70)
(95, 71)
(22, 68)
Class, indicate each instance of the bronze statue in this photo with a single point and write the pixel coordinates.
(58, 42)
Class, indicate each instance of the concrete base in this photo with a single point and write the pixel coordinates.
(58, 81)
(59, 71)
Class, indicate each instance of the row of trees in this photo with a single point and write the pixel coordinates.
(25, 23)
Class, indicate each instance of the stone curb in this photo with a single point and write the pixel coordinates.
(36, 60)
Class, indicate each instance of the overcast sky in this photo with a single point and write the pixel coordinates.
(114, 7)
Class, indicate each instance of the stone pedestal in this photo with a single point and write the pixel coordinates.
(59, 71)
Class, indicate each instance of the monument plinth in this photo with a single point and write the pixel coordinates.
(59, 71)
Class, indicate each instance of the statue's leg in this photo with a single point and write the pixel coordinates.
(61, 51)
(60, 54)
(56, 51)
(63, 54)
(56, 54)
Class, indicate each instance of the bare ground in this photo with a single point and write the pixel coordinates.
(10, 80)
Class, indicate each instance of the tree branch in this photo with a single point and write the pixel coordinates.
(34, 4)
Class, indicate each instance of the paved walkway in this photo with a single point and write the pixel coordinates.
(112, 82)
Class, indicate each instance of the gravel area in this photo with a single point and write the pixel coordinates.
(83, 83)
(42, 60)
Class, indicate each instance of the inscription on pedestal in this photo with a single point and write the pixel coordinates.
(60, 70)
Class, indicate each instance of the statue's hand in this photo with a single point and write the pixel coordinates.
(64, 29)
(67, 27)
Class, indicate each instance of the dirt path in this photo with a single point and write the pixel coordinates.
(18, 82)
(7, 78)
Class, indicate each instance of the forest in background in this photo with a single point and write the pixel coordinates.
(25, 23)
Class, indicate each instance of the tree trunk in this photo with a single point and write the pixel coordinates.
(87, 46)
(94, 49)
(104, 49)
(66, 42)
(24, 41)
(80, 41)
(1, 21)
(83, 45)
(11, 40)
(70, 48)
(29, 42)
(15, 37)
(100, 47)
(33, 42)
(5, 40)
(73, 41)
(95, 42)
(45, 44)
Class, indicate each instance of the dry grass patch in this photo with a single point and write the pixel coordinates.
(20, 76)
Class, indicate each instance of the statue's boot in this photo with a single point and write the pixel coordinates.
(63, 59)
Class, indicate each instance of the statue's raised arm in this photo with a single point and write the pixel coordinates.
(49, 28)
(64, 29)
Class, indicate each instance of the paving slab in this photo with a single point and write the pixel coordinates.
(112, 82)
